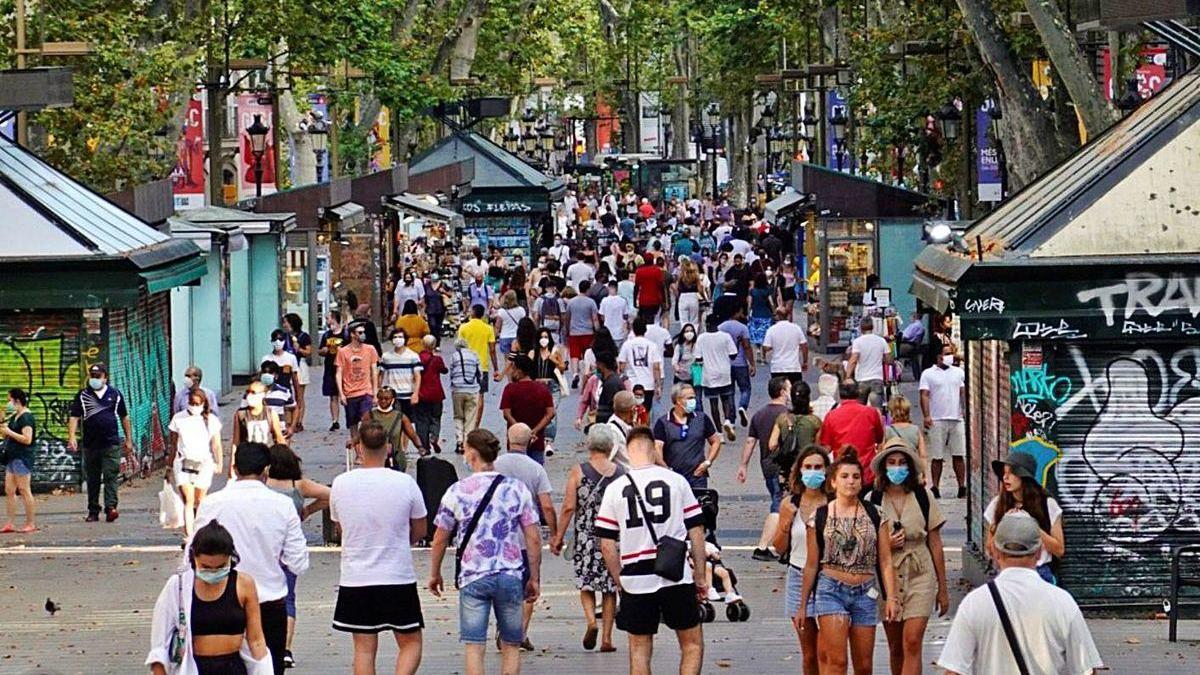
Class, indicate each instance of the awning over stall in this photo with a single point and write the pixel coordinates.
(783, 205)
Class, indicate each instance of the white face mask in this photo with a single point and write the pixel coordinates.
(689, 336)
(195, 409)
(387, 409)
(277, 344)
(544, 342)
(254, 400)
(948, 359)
(397, 341)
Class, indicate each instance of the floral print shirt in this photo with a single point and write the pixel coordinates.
(496, 544)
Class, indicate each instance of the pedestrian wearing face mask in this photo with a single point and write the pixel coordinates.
(191, 381)
(943, 398)
(195, 454)
(435, 306)
(98, 406)
(685, 439)
(255, 423)
(288, 365)
(401, 370)
(917, 556)
(407, 290)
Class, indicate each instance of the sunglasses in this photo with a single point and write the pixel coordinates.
(683, 431)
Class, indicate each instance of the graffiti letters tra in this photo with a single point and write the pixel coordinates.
(1149, 293)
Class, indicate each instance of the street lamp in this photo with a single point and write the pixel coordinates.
(1131, 99)
(258, 147)
(318, 134)
(838, 121)
(512, 141)
(949, 118)
(529, 141)
(547, 137)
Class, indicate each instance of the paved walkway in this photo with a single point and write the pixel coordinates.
(106, 577)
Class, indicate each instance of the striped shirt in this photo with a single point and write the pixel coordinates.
(399, 370)
(673, 509)
(464, 371)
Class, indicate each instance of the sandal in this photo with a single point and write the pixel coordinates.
(589, 638)
(28, 528)
(8, 529)
(607, 649)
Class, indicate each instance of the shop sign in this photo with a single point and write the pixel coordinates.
(1031, 355)
(487, 206)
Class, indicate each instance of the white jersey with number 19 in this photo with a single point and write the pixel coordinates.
(673, 510)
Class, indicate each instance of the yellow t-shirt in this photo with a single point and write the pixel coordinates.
(415, 328)
(479, 335)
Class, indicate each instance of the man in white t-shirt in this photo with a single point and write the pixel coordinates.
(943, 393)
(560, 251)
(660, 336)
(787, 346)
(381, 513)
(715, 350)
(615, 312)
(579, 270)
(629, 552)
(1047, 626)
(641, 361)
(868, 354)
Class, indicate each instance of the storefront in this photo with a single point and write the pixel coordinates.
(85, 282)
(1079, 305)
(509, 204)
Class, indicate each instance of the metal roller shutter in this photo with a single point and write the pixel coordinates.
(40, 353)
(140, 354)
(1127, 421)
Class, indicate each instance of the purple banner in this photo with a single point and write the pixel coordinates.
(989, 180)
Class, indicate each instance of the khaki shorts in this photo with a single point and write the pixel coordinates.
(946, 437)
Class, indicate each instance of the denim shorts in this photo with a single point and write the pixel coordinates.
(775, 490)
(839, 599)
(289, 600)
(502, 592)
(17, 467)
(794, 587)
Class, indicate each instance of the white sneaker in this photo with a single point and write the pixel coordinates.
(730, 432)
(731, 598)
(713, 595)
(743, 418)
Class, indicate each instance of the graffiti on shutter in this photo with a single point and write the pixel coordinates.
(139, 347)
(40, 353)
(1126, 419)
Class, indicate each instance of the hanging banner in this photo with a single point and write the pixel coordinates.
(248, 105)
(1151, 73)
(651, 126)
(187, 178)
(989, 179)
(835, 103)
(381, 141)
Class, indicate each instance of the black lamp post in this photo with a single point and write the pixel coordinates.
(810, 129)
(258, 147)
(949, 118)
(839, 121)
(318, 134)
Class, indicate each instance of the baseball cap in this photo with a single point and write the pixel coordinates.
(97, 369)
(1018, 534)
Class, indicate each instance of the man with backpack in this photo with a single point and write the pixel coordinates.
(761, 426)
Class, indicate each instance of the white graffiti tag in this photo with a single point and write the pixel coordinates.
(1149, 293)
(980, 305)
(1039, 330)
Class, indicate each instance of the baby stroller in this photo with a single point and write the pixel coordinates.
(723, 581)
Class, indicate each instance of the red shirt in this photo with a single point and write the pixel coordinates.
(646, 210)
(649, 282)
(527, 400)
(852, 423)
(431, 377)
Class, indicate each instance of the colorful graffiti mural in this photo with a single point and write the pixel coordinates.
(40, 353)
(1127, 422)
(140, 354)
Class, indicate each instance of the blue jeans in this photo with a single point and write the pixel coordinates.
(838, 599)
(741, 380)
(502, 592)
(775, 490)
(793, 588)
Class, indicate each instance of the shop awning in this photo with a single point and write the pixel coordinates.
(782, 205)
(204, 235)
(936, 275)
(346, 215)
(248, 222)
(416, 205)
(179, 273)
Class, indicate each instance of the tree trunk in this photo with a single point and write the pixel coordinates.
(1031, 144)
(738, 151)
(1068, 59)
(680, 133)
(468, 19)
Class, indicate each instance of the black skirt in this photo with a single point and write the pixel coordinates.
(372, 609)
(227, 664)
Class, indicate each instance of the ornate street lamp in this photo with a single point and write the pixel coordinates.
(257, 131)
(949, 118)
(318, 135)
(512, 141)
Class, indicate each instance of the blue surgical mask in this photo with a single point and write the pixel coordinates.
(812, 478)
(689, 405)
(267, 379)
(213, 576)
(897, 474)
(96, 383)
(10, 408)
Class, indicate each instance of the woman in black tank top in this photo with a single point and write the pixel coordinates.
(224, 608)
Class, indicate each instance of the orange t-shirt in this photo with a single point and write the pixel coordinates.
(357, 364)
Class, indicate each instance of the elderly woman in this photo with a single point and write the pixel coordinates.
(585, 487)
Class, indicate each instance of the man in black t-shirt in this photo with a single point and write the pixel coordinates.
(99, 406)
(610, 384)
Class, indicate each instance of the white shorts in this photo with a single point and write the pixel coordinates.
(947, 437)
(201, 480)
(302, 373)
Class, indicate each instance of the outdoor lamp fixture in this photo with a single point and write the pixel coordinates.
(257, 131)
(949, 118)
(529, 141)
(318, 135)
(845, 75)
(810, 120)
(839, 121)
(512, 141)
(547, 137)
(1131, 99)
(938, 232)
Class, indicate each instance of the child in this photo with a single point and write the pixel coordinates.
(713, 567)
(641, 416)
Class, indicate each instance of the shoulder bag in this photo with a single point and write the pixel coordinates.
(466, 538)
(1009, 633)
(671, 552)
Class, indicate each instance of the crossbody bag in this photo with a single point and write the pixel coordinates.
(671, 553)
(1009, 633)
(466, 538)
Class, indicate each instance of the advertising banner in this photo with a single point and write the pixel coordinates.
(187, 178)
(989, 179)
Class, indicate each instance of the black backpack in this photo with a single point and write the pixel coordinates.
(822, 515)
(875, 497)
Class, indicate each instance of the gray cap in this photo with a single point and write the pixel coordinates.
(1018, 534)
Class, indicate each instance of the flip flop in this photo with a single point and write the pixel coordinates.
(8, 529)
(606, 649)
(589, 638)
(27, 529)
